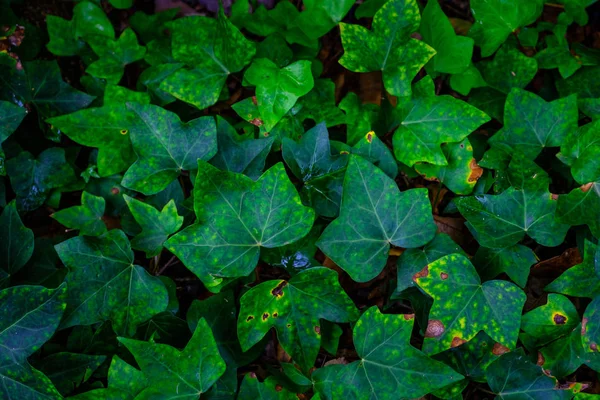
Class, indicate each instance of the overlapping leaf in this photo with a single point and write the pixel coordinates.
(87, 217)
(16, 243)
(581, 280)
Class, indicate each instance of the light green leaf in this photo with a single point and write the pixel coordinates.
(463, 306)
(375, 215)
(165, 146)
(87, 217)
(156, 225)
(294, 308)
(236, 217)
(104, 285)
(388, 47)
(389, 367)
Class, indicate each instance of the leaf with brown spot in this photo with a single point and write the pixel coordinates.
(540, 323)
(591, 337)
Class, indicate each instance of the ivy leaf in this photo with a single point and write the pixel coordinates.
(240, 153)
(172, 373)
(294, 308)
(558, 317)
(252, 389)
(375, 215)
(453, 52)
(461, 173)
(581, 280)
(114, 55)
(319, 105)
(463, 306)
(514, 260)
(150, 27)
(590, 326)
(579, 151)
(495, 20)
(104, 285)
(509, 69)
(87, 217)
(90, 19)
(214, 49)
(320, 16)
(16, 243)
(165, 146)
(514, 377)
(389, 367)
(156, 225)
(429, 121)
(532, 124)
(359, 117)
(388, 47)
(40, 84)
(69, 370)
(63, 41)
(502, 220)
(118, 95)
(310, 160)
(575, 207)
(277, 90)
(32, 179)
(377, 152)
(30, 317)
(10, 118)
(107, 129)
(576, 9)
(236, 217)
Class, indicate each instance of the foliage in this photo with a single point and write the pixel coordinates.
(315, 199)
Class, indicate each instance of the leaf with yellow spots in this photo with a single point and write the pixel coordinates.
(374, 216)
(214, 49)
(30, 315)
(106, 128)
(463, 306)
(388, 47)
(514, 377)
(389, 367)
(182, 374)
(310, 160)
(581, 280)
(558, 317)
(104, 285)
(236, 217)
(461, 173)
(427, 122)
(295, 309)
(165, 146)
(590, 326)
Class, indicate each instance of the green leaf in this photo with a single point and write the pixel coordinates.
(429, 121)
(156, 225)
(118, 95)
(581, 280)
(514, 260)
(495, 20)
(107, 129)
(151, 27)
(181, 374)
(576, 207)
(467, 80)
(389, 367)
(32, 179)
(514, 377)
(240, 153)
(11, 116)
(320, 16)
(294, 308)
(580, 151)
(311, 161)
(388, 47)
(16, 242)
(532, 124)
(114, 55)
(29, 318)
(277, 90)
(590, 326)
(558, 317)
(87, 218)
(359, 117)
(89, 20)
(509, 69)
(374, 150)
(453, 52)
(165, 146)
(236, 217)
(503, 220)
(63, 41)
(319, 105)
(252, 389)
(40, 84)
(461, 173)
(69, 370)
(104, 285)
(375, 215)
(214, 49)
(463, 306)
(121, 4)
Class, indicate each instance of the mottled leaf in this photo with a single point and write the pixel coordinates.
(114, 55)
(509, 69)
(87, 217)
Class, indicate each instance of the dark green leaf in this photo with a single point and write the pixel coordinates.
(87, 217)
